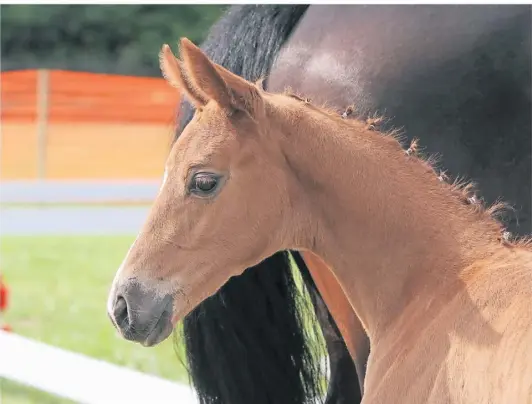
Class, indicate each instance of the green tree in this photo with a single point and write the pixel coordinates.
(122, 39)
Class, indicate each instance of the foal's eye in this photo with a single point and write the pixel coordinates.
(204, 184)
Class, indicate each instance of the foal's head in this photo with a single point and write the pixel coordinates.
(224, 204)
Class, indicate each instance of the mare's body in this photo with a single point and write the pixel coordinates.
(458, 77)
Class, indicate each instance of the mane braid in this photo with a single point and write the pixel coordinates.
(462, 189)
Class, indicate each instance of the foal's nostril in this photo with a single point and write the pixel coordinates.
(120, 312)
(140, 314)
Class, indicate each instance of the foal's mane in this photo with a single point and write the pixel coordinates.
(465, 191)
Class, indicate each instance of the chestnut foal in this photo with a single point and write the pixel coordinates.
(443, 294)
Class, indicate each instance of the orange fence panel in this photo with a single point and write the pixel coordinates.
(79, 96)
(104, 97)
(84, 125)
(18, 95)
(107, 150)
(18, 154)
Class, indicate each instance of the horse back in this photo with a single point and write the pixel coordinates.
(458, 77)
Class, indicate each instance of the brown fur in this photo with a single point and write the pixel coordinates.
(172, 70)
(349, 324)
(441, 290)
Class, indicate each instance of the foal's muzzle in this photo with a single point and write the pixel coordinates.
(141, 315)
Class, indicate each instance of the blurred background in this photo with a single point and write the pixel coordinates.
(86, 123)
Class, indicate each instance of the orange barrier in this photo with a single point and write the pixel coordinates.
(18, 94)
(84, 125)
(88, 97)
(86, 150)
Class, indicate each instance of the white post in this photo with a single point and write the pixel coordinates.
(42, 121)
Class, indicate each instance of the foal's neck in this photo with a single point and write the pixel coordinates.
(393, 232)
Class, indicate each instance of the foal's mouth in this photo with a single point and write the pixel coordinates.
(157, 333)
(161, 329)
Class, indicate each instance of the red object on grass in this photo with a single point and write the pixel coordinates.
(3, 295)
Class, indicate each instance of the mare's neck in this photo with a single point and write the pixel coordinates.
(392, 232)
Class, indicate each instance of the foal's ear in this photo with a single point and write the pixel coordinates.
(230, 91)
(174, 73)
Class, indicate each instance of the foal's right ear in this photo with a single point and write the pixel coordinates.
(173, 72)
(231, 92)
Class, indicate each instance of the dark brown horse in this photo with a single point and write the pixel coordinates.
(457, 77)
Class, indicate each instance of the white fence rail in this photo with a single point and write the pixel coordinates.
(83, 379)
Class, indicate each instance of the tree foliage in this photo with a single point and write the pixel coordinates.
(122, 39)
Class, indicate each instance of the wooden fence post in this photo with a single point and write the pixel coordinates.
(42, 121)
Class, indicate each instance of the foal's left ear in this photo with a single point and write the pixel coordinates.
(230, 91)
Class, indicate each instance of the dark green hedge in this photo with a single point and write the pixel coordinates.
(122, 39)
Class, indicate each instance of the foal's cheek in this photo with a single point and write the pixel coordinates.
(192, 288)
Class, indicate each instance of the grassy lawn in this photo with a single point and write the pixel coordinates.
(58, 291)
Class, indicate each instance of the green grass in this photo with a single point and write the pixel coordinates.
(13, 393)
(59, 288)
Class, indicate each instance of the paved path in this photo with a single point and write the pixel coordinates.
(71, 220)
(68, 191)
